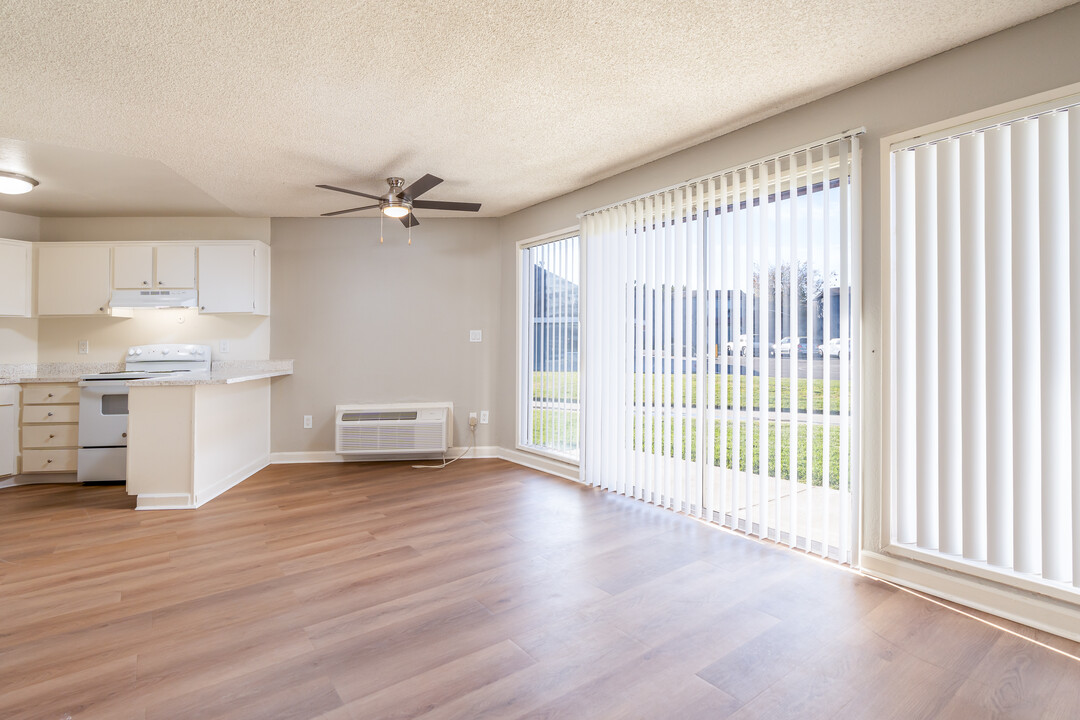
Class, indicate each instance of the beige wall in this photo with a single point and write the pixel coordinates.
(18, 336)
(1037, 56)
(248, 336)
(370, 322)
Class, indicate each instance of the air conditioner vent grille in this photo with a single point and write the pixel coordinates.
(393, 430)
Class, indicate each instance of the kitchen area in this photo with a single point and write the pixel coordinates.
(134, 361)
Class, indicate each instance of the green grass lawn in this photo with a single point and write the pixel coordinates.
(546, 434)
(563, 386)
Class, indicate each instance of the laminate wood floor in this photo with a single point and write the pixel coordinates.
(484, 590)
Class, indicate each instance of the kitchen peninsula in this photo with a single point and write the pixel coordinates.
(193, 437)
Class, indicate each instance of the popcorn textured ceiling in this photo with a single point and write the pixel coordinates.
(125, 107)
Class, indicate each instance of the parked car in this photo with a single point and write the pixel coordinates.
(732, 346)
(784, 347)
(834, 348)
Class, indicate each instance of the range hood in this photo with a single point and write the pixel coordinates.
(153, 298)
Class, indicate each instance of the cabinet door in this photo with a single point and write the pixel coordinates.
(7, 440)
(175, 266)
(226, 278)
(15, 278)
(73, 279)
(133, 267)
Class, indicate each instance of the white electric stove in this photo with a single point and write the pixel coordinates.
(103, 405)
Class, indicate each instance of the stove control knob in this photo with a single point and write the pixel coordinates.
(165, 351)
(131, 351)
(190, 348)
(138, 351)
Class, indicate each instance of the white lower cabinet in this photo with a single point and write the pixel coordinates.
(9, 396)
(50, 429)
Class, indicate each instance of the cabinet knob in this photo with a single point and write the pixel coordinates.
(49, 395)
(49, 415)
(49, 460)
(101, 309)
(160, 282)
(51, 437)
(202, 307)
(123, 434)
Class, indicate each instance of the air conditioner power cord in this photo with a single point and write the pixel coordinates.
(472, 444)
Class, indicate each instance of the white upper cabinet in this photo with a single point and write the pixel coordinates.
(141, 267)
(133, 267)
(174, 266)
(16, 270)
(74, 279)
(234, 278)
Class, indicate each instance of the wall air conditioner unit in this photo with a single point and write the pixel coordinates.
(384, 432)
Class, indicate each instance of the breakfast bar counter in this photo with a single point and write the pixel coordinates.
(191, 438)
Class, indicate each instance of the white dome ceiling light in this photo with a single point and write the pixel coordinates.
(16, 184)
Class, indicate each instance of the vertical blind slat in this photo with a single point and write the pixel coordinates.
(1027, 482)
(1053, 162)
(904, 353)
(926, 356)
(999, 333)
(973, 344)
(950, 424)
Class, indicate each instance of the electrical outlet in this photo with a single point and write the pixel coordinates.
(84, 347)
(307, 422)
(223, 346)
(476, 336)
(483, 417)
(472, 420)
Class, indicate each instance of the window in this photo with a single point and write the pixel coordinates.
(731, 303)
(983, 345)
(549, 409)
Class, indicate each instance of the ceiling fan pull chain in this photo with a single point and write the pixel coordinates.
(380, 228)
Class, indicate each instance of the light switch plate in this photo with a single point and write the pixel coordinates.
(307, 421)
(84, 347)
(223, 346)
(476, 336)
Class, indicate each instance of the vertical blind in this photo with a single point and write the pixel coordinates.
(986, 345)
(550, 316)
(706, 304)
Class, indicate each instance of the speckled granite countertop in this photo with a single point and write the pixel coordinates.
(223, 372)
(52, 372)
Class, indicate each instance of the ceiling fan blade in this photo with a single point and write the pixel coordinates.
(410, 221)
(342, 212)
(439, 205)
(351, 192)
(421, 186)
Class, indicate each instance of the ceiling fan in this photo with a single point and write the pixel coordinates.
(399, 202)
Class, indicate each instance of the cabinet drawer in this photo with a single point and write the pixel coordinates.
(50, 436)
(35, 461)
(50, 414)
(50, 394)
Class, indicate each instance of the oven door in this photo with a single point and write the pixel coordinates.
(103, 414)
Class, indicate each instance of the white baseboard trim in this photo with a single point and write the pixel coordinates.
(519, 457)
(309, 456)
(541, 463)
(39, 479)
(230, 481)
(1040, 612)
(329, 456)
(164, 501)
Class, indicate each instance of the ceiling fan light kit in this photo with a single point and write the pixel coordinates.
(399, 202)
